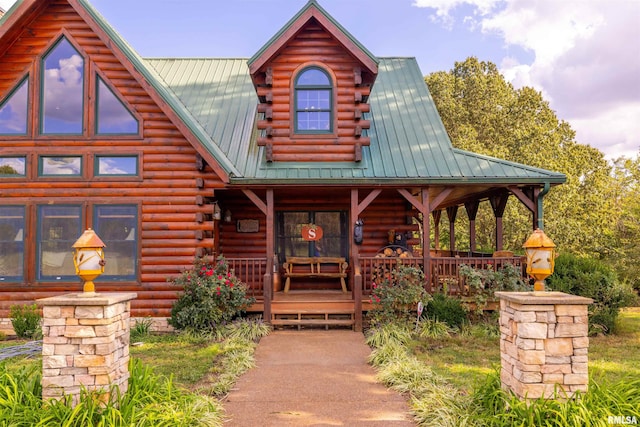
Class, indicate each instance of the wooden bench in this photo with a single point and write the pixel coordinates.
(313, 267)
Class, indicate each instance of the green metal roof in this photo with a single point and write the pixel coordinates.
(408, 140)
(216, 100)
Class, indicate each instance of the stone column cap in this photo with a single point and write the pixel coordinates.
(106, 298)
(543, 298)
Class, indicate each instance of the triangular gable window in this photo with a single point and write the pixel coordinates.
(13, 110)
(63, 89)
(112, 117)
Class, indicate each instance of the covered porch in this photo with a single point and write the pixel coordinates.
(414, 212)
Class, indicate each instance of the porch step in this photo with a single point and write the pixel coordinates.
(310, 317)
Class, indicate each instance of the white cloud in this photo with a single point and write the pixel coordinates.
(586, 61)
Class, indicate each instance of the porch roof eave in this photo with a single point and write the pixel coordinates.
(240, 182)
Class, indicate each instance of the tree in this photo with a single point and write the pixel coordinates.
(484, 113)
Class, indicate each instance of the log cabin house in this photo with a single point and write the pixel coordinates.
(174, 158)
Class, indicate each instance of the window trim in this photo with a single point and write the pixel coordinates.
(331, 110)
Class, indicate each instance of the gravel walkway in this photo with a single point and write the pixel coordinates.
(314, 378)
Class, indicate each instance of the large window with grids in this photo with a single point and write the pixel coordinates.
(12, 235)
(313, 101)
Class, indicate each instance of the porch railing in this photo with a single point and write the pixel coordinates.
(374, 268)
(251, 271)
(445, 271)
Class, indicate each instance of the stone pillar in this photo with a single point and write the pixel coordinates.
(543, 343)
(85, 344)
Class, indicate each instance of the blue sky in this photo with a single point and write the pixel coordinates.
(583, 55)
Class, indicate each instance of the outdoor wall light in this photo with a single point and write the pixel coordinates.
(88, 259)
(217, 212)
(541, 253)
(227, 216)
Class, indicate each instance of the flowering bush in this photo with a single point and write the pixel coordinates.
(395, 295)
(212, 296)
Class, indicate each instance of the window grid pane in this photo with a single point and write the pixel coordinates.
(12, 232)
(117, 165)
(112, 116)
(117, 227)
(63, 88)
(13, 111)
(57, 166)
(58, 229)
(13, 166)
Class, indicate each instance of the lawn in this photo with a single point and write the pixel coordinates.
(466, 360)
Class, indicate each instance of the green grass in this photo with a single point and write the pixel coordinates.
(465, 360)
(462, 360)
(188, 360)
(613, 358)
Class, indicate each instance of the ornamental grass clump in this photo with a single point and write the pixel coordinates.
(213, 296)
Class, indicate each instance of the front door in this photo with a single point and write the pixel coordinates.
(289, 240)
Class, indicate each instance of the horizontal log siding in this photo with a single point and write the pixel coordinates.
(314, 45)
(166, 190)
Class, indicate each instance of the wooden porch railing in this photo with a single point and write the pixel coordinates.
(373, 267)
(251, 271)
(445, 271)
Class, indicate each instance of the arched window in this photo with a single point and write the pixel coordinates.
(313, 101)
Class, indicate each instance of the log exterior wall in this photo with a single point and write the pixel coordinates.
(165, 190)
(313, 46)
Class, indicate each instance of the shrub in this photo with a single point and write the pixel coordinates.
(394, 297)
(446, 309)
(212, 297)
(484, 283)
(592, 278)
(25, 320)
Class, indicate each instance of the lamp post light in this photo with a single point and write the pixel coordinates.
(541, 253)
(88, 259)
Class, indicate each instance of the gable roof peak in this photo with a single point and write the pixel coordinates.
(312, 10)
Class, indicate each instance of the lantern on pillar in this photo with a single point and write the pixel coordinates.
(541, 253)
(88, 259)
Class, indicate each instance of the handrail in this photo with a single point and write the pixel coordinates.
(251, 271)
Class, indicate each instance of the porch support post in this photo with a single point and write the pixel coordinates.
(355, 262)
(437, 215)
(452, 212)
(424, 206)
(426, 238)
(268, 279)
(472, 212)
(498, 204)
(267, 209)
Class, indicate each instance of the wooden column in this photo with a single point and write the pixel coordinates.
(267, 209)
(355, 261)
(528, 197)
(498, 204)
(426, 239)
(472, 212)
(452, 212)
(437, 215)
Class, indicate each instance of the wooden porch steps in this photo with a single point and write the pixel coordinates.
(341, 317)
(319, 308)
